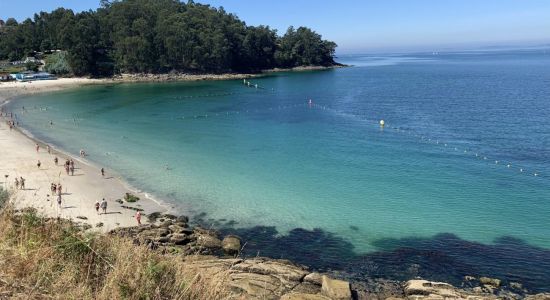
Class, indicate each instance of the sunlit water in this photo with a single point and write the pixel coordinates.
(238, 157)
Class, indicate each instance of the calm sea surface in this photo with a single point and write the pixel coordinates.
(457, 183)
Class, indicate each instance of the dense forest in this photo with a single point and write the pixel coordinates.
(158, 36)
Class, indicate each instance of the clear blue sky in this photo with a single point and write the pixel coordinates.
(374, 26)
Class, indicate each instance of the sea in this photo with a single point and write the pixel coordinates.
(456, 182)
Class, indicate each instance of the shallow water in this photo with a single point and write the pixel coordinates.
(239, 157)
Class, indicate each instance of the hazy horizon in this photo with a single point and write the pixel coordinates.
(376, 27)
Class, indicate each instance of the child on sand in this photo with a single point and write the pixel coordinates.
(97, 207)
(38, 164)
(102, 172)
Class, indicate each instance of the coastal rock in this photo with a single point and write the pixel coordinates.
(209, 241)
(428, 288)
(335, 289)
(314, 278)
(257, 278)
(162, 239)
(179, 239)
(231, 244)
(516, 285)
(176, 229)
(303, 296)
(182, 219)
(279, 268)
(307, 288)
(167, 223)
(490, 281)
(169, 217)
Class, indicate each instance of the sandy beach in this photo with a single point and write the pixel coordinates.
(18, 158)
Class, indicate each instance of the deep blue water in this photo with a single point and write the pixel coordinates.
(447, 188)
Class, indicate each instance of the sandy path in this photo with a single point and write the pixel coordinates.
(18, 157)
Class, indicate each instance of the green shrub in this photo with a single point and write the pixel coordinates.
(131, 198)
(57, 63)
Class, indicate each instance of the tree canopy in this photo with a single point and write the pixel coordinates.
(161, 36)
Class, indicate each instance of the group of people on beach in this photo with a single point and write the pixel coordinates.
(102, 205)
(56, 189)
(20, 183)
(11, 118)
(69, 166)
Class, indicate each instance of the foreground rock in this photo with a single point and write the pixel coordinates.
(264, 278)
(213, 259)
(335, 289)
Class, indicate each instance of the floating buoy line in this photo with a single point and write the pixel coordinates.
(430, 140)
(380, 123)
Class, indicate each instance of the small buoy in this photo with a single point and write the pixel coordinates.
(382, 123)
(536, 174)
(508, 165)
(521, 170)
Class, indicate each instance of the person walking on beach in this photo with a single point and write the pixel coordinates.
(102, 172)
(72, 170)
(22, 180)
(138, 218)
(59, 201)
(59, 189)
(104, 206)
(16, 183)
(38, 164)
(37, 147)
(49, 149)
(71, 163)
(67, 169)
(97, 207)
(55, 160)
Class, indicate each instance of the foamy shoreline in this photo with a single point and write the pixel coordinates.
(18, 157)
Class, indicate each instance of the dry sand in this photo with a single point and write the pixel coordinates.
(18, 157)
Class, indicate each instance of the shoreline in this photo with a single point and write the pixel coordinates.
(29, 140)
(18, 159)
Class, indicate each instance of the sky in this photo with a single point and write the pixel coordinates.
(364, 26)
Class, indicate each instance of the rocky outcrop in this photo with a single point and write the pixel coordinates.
(231, 245)
(430, 289)
(257, 278)
(215, 260)
(335, 289)
(263, 278)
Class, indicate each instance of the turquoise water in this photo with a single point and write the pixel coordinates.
(262, 162)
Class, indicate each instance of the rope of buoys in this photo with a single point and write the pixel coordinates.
(424, 138)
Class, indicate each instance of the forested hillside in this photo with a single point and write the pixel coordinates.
(159, 36)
